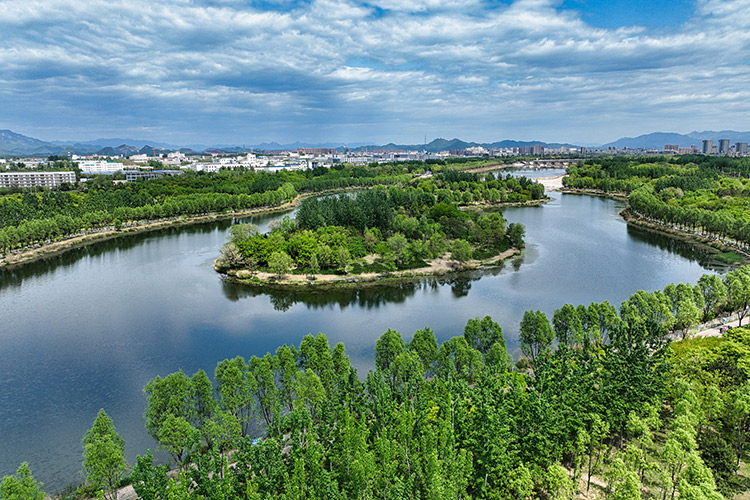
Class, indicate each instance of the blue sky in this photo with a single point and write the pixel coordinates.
(245, 71)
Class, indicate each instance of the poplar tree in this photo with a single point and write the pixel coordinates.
(104, 456)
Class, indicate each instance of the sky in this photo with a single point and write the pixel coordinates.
(249, 71)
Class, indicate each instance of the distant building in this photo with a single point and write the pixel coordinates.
(35, 179)
(537, 150)
(316, 151)
(740, 148)
(723, 146)
(137, 175)
(708, 146)
(671, 147)
(99, 167)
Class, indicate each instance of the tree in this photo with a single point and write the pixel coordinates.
(714, 293)
(150, 481)
(104, 455)
(516, 232)
(178, 438)
(483, 334)
(461, 251)
(738, 291)
(424, 344)
(21, 486)
(536, 334)
(388, 346)
(239, 232)
(567, 325)
(172, 395)
(280, 263)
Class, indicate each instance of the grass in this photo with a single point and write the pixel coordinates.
(730, 258)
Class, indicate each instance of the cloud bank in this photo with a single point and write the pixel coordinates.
(246, 72)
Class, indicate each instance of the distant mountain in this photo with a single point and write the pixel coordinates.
(98, 144)
(446, 145)
(12, 144)
(658, 140)
(121, 150)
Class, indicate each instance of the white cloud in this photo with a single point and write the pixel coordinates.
(442, 60)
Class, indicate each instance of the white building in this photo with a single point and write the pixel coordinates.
(35, 179)
(99, 167)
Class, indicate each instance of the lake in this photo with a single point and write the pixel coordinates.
(87, 329)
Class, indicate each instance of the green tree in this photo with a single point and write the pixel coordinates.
(150, 481)
(461, 251)
(714, 294)
(21, 486)
(536, 334)
(280, 263)
(104, 455)
(483, 334)
(516, 232)
(178, 438)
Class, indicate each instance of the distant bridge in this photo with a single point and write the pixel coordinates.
(550, 163)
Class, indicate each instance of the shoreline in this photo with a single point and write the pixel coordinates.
(437, 267)
(640, 222)
(29, 255)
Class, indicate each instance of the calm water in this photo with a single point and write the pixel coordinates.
(86, 330)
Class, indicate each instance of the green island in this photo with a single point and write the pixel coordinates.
(604, 403)
(385, 233)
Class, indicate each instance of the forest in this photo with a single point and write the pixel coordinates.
(403, 226)
(602, 401)
(703, 194)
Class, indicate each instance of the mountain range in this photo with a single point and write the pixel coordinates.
(14, 144)
(657, 140)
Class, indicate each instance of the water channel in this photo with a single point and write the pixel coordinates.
(87, 329)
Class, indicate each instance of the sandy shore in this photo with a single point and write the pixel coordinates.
(437, 266)
(551, 183)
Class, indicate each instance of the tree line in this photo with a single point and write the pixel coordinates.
(699, 193)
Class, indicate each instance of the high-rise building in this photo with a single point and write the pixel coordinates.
(740, 148)
(671, 147)
(723, 146)
(708, 145)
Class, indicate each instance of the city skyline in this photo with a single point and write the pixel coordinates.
(216, 71)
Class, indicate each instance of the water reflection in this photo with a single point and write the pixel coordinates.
(702, 254)
(368, 298)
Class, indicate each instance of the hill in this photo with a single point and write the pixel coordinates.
(657, 140)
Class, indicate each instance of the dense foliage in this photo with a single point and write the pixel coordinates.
(456, 420)
(38, 216)
(403, 225)
(706, 194)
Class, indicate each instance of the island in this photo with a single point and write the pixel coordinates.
(438, 224)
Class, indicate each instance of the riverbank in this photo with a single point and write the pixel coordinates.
(636, 220)
(710, 242)
(436, 267)
(51, 249)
